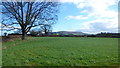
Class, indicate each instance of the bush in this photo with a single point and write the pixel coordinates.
(33, 33)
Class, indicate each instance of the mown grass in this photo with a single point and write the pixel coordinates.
(61, 51)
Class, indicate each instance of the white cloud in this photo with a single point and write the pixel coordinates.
(76, 17)
(73, 1)
(105, 18)
(98, 8)
(100, 25)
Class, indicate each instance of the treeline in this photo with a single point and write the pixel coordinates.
(111, 35)
(116, 35)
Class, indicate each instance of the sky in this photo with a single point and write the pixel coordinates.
(88, 16)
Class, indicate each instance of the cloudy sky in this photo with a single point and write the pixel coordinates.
(89, 16)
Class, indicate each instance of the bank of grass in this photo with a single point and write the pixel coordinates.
(61, 51)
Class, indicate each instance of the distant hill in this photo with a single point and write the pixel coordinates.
(68, 33)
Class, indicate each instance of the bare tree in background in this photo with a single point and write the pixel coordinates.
(46, 29)
(25, 15)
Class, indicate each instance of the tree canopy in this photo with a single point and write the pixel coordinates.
(25, 15)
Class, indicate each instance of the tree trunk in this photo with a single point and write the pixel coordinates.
(23, 34)
(46, 31)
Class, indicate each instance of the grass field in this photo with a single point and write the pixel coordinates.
(61, 51)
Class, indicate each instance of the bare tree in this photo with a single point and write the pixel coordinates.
(25, 15)
(46, 29)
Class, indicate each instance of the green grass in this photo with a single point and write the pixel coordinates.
(61, 51)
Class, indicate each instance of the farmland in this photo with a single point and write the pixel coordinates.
(61, 51)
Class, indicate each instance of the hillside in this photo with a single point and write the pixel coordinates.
(69, 33)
